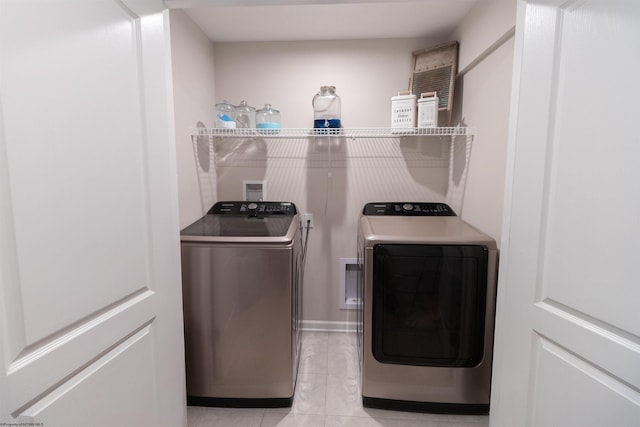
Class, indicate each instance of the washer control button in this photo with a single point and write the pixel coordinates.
(407, 207)
(252, 206)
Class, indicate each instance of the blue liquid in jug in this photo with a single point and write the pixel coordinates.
(326, 124)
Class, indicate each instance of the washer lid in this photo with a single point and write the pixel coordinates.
(236, 226)
(245, 222)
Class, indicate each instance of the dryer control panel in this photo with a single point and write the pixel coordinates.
(248, 208)
(408, 209)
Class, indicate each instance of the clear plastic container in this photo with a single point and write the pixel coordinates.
(326, 109)
(268, 120)
(245, 116)
(225, 116)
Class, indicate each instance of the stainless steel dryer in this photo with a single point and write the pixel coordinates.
(427, 282)
(241, 272)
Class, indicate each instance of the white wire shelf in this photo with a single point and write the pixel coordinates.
(345, 133)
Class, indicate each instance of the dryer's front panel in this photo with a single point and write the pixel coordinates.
(427, 329)
(429, 304)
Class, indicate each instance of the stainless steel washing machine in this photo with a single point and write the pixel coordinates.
(428, 284)
(241, 273)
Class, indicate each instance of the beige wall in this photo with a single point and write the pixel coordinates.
(287, 75)
(333, 180)
(483, 102)
(487, 22)
(193, 95)
(485, 107)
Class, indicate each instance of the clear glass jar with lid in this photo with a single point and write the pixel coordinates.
(245, 116)
(268, 120)
(225, 116)
(326, 109)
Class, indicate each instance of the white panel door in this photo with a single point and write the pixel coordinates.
(90, 300)
(568, 323)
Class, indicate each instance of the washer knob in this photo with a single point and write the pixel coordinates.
(407, 207)
(252, 206)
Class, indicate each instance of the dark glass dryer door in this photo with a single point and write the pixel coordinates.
(429, 304)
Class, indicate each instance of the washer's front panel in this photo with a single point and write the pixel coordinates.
(245, 222)
(238, 320)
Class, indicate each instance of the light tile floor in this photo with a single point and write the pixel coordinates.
(327, 395)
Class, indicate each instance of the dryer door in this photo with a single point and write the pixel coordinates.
(429, 304)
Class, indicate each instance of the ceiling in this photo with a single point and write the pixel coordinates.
(285, 20)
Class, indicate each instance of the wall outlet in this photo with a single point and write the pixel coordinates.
(307, 217)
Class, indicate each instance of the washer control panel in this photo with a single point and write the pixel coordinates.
(408, 209)
(253, 208)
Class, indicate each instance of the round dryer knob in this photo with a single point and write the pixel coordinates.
(407, 207)
(252, 206)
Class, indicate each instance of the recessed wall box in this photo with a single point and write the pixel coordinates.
(254, 191)
(349, 299)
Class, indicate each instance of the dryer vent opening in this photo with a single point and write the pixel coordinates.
(348, 269)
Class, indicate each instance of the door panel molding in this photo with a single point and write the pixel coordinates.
(11, 312)
(77, 347)
(130, 363)
(567, 336)
(579, 186)
(602, 400)
(63, 246)
(90, 298)
(611, 349)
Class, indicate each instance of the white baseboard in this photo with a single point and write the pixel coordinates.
(328, 326)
